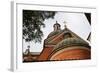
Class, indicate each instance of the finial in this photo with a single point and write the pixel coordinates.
(56, 21)
(65, 24)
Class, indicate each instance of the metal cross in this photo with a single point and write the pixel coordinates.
(65, 24)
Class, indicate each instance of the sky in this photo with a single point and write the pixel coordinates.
(76, 22)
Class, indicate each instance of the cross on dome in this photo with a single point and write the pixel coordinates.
(65, 24)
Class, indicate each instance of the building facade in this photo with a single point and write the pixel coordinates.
(63, 44)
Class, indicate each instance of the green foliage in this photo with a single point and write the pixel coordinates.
(33, 22)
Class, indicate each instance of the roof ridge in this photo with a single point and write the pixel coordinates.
(51, 38)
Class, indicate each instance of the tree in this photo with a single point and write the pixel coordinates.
(33, 22)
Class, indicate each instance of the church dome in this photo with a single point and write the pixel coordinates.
(53, 33)
(71, 42)
(71, 49)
